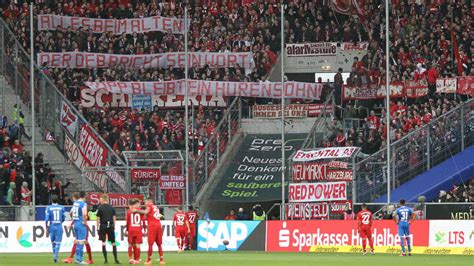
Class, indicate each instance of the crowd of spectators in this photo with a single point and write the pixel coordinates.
(16, 167)
(424, 38)
(458, 193)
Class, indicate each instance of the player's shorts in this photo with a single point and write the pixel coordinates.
(365, 232)
(80, 231)
(403, 229)
(56, 233)
(180, 233)
(155, 235)
(135, 239)
(192, 232)
(107, 234)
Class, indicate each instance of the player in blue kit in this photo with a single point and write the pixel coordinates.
(404, 216)
(79, 217)
(54, 225)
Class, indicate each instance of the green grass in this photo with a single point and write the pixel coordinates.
(261, 259)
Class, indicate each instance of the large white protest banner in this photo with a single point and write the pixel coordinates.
(299, 90)
(165, 60)
(116, 26)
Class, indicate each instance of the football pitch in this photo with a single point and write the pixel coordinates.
(258, 258)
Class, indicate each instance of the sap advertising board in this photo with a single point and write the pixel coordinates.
(241, 235)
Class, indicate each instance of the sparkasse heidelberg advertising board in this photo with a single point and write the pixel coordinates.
(303, 236)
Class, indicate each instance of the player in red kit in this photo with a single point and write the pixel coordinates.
(155, 233)
(364, 224)
(135, 225)
(181, 225)
(192, 216)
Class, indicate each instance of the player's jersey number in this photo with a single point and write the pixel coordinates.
(136, 219)
(366, 218)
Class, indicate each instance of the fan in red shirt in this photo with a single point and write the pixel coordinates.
(181, 225)
(364, 225)
(135, 224)
(192, 216)
(155, 233)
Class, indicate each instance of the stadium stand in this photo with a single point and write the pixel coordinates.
(430, 40)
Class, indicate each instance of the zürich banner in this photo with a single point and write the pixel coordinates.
(164, 60)
(253, 174)
(292, 89)
(116, 26)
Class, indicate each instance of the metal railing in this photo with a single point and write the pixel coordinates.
(319, 131)
(416, 152)
(216, 145)
(14, 66)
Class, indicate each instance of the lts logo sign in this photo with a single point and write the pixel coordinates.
(213, 235)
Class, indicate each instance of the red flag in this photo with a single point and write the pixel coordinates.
(457, 56)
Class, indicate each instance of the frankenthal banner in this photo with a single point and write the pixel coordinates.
(76, 156)
(115, 26)
(166, 60)
(322, 57)
(325, 153)
(68, 119)
(338, 236)
(172, 182)
(105, 99)
(253, 174)
(314, 192)
(32, 237)
(118, 200)
(242, 235)
(299, 90)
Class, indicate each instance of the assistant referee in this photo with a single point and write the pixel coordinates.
(106, 218)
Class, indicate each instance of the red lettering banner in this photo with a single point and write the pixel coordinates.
(166, 60)
(117, 200)
(320, 210)
(466, 85)
(292, 89)
(339, 175)
(316, 192)
(415, 89)
(146, 174)
(93, 150)
(326, 153)
(309, 171)
(116, 26)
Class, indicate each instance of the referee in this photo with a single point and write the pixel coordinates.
(106, 218)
